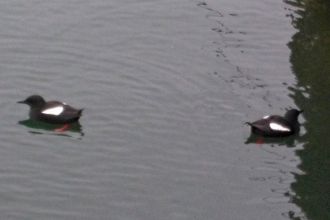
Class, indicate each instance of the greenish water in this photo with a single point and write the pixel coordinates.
(310, 60)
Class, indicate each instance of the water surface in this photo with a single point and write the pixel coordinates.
(166, 87)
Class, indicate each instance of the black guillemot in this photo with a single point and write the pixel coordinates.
(53, 112)
(277, 126)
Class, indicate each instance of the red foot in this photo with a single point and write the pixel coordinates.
(259, 141)
(62, 128)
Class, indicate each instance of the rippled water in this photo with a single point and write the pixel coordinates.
(166, 87)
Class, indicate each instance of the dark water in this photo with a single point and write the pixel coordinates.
(166, 87)
(310, 61)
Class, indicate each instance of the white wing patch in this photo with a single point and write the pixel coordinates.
(265, 117)
(278, 127)
(53, 111)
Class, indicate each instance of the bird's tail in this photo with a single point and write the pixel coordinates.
(80, 111)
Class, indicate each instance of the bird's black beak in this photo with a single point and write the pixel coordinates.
(301, 111)
(22, 102)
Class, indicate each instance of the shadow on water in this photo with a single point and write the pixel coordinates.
(287, 141)
(310, 50)
(74, 127)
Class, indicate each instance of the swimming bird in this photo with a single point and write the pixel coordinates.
(277, 126)
(53, 112)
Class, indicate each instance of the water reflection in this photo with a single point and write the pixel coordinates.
(30, 123)
(286, 141)
(310, 62)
